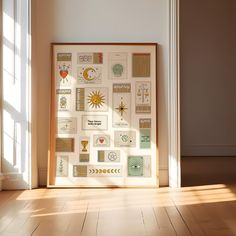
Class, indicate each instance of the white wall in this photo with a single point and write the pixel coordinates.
(98, 21)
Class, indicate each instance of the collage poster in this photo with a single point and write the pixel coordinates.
(104, 122)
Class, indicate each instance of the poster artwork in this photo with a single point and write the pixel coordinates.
(90, 58)
(118, 65)
(143, 97)
(84, 149)
(92, 99)
(125, 139)
(89, 75)
(139, 166)
(64, 69)
(121, 111)
(80, 171)
(97, 171)
(145, 133)
(93, 122)
(101, 140)
(103, 115)
(141, 65)
(66, 125)
(62, 166)
(63, 99)
(65, 145)
(135, 166)
(109, 156)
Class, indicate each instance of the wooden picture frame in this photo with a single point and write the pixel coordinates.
(103, 127)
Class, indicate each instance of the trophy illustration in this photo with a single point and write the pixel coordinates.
(84, 144)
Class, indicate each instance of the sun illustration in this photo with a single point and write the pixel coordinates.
(121, 108)
(96, 99)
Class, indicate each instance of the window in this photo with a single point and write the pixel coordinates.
(16, 94)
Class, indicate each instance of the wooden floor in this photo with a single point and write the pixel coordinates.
(205, 210)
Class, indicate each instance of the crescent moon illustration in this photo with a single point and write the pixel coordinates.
(89, 74)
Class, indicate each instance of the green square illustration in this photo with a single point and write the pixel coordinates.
(135, 166)
(145, 138)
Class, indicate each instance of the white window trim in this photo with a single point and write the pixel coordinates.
(27, 34)
(173, 98)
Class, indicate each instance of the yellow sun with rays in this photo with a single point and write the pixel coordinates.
(96, 99)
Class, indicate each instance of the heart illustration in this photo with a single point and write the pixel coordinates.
(101, 140)
(63, 73)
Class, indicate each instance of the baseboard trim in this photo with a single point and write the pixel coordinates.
(13, 181)
(42, 176)
(163, 177)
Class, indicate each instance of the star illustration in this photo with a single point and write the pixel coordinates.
(121, 108)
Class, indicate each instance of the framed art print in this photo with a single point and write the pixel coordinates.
(103, 128)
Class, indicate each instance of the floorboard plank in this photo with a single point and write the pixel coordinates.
(178, 223)
(193, 225)
(121, 222)
(150, 222)
(89, 228)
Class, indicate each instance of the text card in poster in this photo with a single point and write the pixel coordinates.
(94, 122)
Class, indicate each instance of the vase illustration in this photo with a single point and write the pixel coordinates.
(117, 70)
